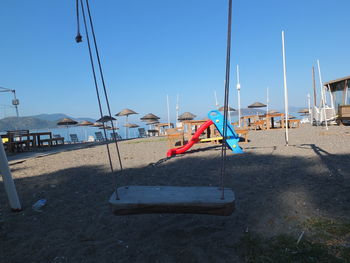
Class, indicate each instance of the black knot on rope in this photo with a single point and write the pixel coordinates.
(78, 38)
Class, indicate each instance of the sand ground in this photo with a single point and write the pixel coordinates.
(277, 188)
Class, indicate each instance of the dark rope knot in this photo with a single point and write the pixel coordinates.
(78, 38)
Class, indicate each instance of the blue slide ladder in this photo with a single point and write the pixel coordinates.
(232, 138)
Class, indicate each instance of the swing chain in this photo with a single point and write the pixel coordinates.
(160, 161)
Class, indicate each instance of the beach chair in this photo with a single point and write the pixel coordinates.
(142, 133)
(99, 136)
(117, 136)
(57, 138)
(74, 138)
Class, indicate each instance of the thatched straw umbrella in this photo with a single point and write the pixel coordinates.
(256, 105)
(66, 122)
(85, 124)
(186, 116)
(149, 117)
(131, 126)
(126, 113)
(229, 109)
(304, 111)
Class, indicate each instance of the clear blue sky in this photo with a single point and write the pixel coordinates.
(151, 48)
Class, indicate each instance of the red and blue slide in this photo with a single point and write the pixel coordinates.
(216, 118)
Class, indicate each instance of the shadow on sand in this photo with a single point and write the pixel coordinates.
(274, 194)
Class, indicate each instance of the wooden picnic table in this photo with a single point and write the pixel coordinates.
(196, 124)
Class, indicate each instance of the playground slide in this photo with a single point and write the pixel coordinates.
(193, 140)
(216, 118)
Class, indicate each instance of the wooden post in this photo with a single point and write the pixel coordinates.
(8, 181)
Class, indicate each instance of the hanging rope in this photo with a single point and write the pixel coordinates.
(78, 37)
(96, 87)
(103, 84)
(227, 86)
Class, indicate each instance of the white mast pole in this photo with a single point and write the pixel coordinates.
(239, 97)
(177, 108)
(167, 102)
(322, 94)
(9, 184)
(216, 100)
(267, 100)
(285, 87)
(309, 105)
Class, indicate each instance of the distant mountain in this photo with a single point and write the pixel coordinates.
(51, 117)
(24, 123)
(58, 116)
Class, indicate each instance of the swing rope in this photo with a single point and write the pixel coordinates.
(96, 84)
(227, 86)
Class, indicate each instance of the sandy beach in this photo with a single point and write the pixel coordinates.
(279, 190)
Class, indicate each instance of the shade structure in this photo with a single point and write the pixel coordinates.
(106, 118)
(257, 105)
(305, 111)
(106, 127)
(96, 124)
(186, 116)
(126, 112)
(229, 108)
(85, 123)
(112, 128)
(131, 125)
(273, 111)
(66, 121)
(149, 116)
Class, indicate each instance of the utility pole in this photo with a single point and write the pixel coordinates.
(15, 101)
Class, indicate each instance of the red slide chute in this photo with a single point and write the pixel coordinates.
(193, 140)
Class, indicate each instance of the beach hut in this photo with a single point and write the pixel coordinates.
(340, 98)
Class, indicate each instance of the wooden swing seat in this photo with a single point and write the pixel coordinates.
(172, 199)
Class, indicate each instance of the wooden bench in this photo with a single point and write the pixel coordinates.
(243, 133)
(18, 140)
(173, 136)
(344, 113)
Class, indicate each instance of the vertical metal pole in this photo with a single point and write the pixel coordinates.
(177, 109)
(267, 100)
(167, 103)
(239, 97)
(285, 87)
(9, 184)
(309, 107)
(216, 100)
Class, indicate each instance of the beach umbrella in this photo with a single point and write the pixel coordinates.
(126, 113)
(305, 111)
(105, 127)
(131, 126)
(106, 118)
(272, 111)
(257, 105)
(66, 122)
(229, 108)
(186, 116)
(149, 116)
(97, 124)
(84, 124)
